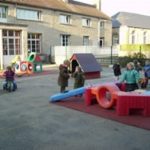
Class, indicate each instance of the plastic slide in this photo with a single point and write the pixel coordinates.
(63, 96)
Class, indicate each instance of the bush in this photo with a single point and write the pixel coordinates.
(140, 57)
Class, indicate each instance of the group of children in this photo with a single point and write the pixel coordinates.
(134, 76)
(64, 75)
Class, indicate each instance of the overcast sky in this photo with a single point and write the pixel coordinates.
(110, 7)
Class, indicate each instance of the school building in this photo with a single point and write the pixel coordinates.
(39, 25)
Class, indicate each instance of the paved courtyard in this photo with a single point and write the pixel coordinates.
(29, 122)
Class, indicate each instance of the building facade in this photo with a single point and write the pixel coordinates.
(38, 25)
(130, 28)
(131, 33)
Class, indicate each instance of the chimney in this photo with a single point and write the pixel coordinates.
(97, 3)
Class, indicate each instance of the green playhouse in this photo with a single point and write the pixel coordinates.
(35, 59)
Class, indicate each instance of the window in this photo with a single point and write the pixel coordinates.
(115, 39)
(11, 42)
(34, 42)
(144, 37)
(102, 24)
(65, 19)
(86, 22)
(3, 14)
(85, 40)
(28, 14)
(65, 40)
(133, 37)
(101, 42)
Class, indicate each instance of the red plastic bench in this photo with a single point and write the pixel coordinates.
(131, 102)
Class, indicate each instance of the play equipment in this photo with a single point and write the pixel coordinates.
(23, 67)
(109, 95)
(64, 96)
(31, 65)
(88, 64)
(1, 74)
(128, 103)
(36, 61)
(102, 94)
(15, 60)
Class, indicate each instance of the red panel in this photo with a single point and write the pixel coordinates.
(89, 97)
(92, 75)
(128, 102)
(38, 58)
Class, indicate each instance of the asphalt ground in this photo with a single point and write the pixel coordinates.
(29, 122)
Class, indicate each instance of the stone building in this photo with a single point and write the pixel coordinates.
(38, 25)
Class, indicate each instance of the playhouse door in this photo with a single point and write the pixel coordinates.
(74, 63)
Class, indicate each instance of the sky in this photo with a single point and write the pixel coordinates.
(110, 7)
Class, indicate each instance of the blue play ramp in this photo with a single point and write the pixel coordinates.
(63, 96)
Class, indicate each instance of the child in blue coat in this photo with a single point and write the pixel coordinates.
(131, 78)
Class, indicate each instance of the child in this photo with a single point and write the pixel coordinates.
(147, 72)
(63, 76)
(9, 83)
(131, 78)
(79, 78)
(117, 70)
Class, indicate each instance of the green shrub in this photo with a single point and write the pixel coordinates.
(140, 57)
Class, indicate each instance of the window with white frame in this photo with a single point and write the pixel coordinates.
(11, 42)
(133, 37)
(65, 40)
(65, 19)
(27, 14)
(85, 40)
(144, 37)
(102, 25)
(86, 22)
(3, 13)
(34, 42)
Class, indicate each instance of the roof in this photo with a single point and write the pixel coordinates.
(131, 19)
(62, 6)
(87, 62)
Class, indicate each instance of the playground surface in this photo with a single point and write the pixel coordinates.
(29, 122)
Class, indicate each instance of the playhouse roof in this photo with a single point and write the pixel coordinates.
(87, 62)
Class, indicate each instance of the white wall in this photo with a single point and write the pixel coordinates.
(125, 35)
(61, 53)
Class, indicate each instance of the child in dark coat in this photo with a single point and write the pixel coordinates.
(117, 70)
(63, 76)
(79, 78)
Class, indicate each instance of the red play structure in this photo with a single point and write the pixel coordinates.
(125, 103)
